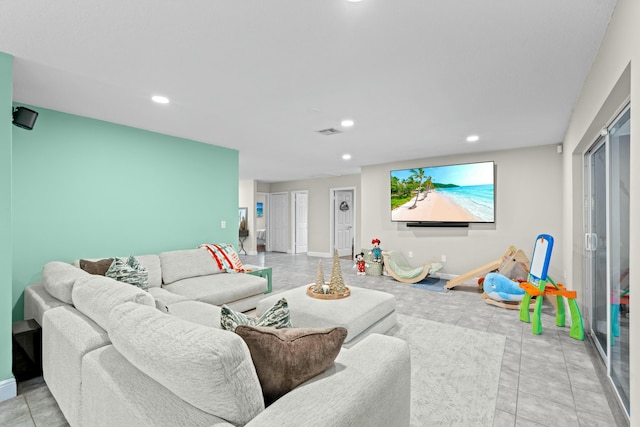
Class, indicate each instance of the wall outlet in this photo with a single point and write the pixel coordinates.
(443, 258)
(410, 254)
(223, 224)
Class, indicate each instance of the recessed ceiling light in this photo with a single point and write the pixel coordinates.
(347, 123)
(354, 1)
(160, 99)
(473, 138)
(346, 157)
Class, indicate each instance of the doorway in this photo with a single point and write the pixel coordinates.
(343, 221)
(262, 219)
(606, 250)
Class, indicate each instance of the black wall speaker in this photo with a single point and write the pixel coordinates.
(24, 118)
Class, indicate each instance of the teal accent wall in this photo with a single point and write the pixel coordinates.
(6, 94)
(84, 188)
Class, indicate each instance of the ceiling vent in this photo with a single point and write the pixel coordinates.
(329, 131)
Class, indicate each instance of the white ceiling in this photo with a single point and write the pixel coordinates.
(417, 76)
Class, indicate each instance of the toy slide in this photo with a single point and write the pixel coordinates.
(511, 258)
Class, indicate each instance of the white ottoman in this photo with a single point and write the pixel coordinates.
(364, 312)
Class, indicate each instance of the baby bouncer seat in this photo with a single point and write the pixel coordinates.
(398, 268)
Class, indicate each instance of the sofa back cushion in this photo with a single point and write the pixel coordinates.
(183, 264)
(209, 368)
(152, 264)
(59, 278)
(95, 296)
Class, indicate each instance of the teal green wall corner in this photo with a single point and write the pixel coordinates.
(6, 95)
(84, 188)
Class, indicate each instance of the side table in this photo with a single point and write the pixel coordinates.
(265, 272)
(27, 349)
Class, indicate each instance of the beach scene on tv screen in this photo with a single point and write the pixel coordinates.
(455, 193)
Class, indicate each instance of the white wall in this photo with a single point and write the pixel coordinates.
(612, 79)
(319, 237)
(528, 203)
(261, 222)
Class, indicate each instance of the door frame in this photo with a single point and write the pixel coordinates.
(294, 223)
(602, 140)
(332, 217)
(266, 216)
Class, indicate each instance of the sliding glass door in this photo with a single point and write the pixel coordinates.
(606, 248)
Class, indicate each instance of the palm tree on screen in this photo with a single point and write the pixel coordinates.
(419, 174)
(428, 184)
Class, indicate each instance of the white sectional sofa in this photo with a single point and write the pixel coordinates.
(112, 356)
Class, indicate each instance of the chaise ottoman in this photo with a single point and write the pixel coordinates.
(364, 312)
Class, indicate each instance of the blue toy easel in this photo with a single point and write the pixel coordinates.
(537, 286)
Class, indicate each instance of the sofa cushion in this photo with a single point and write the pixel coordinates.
(152, 264)
(285, 358)
(275, 317)
(161, 294)
(218, 289)
(130, 271)
(98, 267)
(209, 368)
(183, 264)
(95, 296)
(197, 312)
(58, 279)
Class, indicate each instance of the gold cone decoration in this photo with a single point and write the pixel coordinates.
(336, 284)
(319, 279)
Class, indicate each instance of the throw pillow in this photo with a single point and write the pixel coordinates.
(285, 358)
(99, 267)
(276, 317)
(225, 256)
(129, 271)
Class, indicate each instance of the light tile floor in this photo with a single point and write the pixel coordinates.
(546, 380)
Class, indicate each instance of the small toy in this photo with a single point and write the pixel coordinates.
(500, 288)
(376, 251)
(360, 264)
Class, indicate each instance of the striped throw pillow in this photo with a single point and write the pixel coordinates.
(276, 317)
(130, 271)
(225, 256)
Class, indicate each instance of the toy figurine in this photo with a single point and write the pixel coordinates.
(376, 251)
(499, 287)
(360, 264)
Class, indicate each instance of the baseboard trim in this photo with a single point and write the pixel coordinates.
(8, 389)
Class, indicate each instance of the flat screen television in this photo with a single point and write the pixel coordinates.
(444, 195)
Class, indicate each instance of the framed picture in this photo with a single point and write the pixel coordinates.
(242, 218)
(259, 209)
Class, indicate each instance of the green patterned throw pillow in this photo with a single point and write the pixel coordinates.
(130, 271)
(276, 317)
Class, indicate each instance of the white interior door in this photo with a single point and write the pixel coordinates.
(278, 222)
(343, 221)
(301, 200)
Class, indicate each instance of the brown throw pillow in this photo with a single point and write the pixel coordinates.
(96, 267)
(285, 358)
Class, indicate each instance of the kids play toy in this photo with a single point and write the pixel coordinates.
(539, 284)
